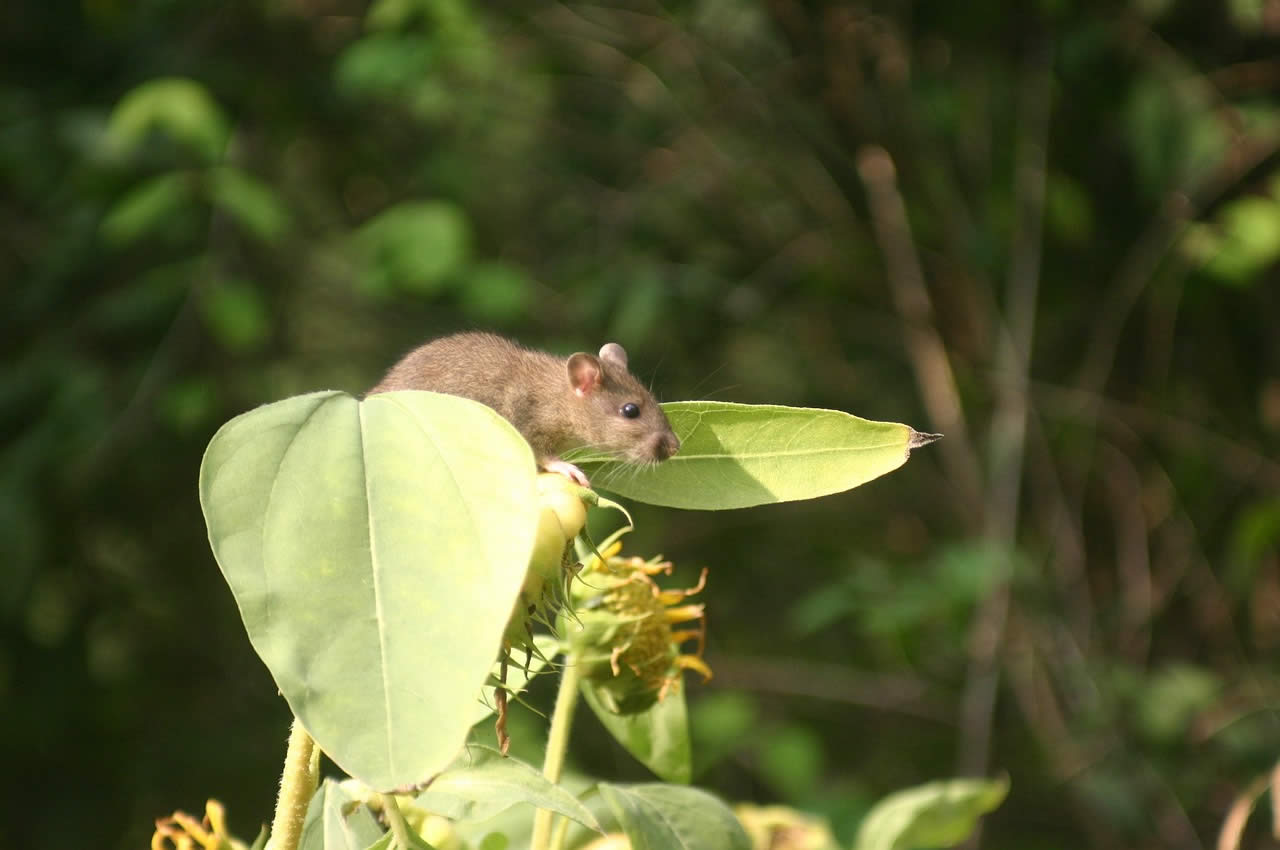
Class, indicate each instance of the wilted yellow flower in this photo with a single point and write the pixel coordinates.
(783, 828)
(183, 832)
(621, 630)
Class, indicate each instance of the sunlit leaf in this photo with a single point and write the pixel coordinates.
(416, 246)
(179, 107)
(674, 817)
(375, 549)
(939, 814)
(738, 455)
(1250, 240)
(384, 63)
(658, 736)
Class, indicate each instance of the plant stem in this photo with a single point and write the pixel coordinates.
(297, 784)
(395, 819)
(557, 746)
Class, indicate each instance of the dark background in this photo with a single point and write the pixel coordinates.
(1049, 230)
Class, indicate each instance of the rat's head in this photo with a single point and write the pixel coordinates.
(615, 412)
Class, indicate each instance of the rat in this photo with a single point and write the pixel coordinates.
(556, 403)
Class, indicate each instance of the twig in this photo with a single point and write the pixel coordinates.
(1008, 432)
(925, 349)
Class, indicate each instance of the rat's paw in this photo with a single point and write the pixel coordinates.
(568, 470)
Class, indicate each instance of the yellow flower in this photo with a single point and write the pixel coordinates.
(621, 630)
(184, 832)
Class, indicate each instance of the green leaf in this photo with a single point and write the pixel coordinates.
(386, 842)
(496, 293)
(739, 455)
(483, 783)
(188, 404)
(385, 64)
(672, 817)
(658, 736)
(179, 107)
(147, 208)
(337, 821)
(791, 759)
(1173, 697)
(1250, 241)
(237, 315)
(250, 202)
(375, 549)
(415, 246)
(939, 814)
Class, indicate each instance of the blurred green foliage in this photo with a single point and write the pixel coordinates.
(208, 206)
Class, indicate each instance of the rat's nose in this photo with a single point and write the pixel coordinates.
(665, 446)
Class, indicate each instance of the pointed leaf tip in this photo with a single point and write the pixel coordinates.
(917, 439)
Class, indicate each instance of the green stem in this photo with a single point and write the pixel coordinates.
(395, 819)
(297, 784)
(557, 747)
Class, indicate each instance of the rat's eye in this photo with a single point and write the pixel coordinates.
(631, 410)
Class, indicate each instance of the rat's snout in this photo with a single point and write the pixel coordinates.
(665, 445)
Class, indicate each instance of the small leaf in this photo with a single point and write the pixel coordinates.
(1173, 697)
(658, 736)
(496, 293)
(237, 315)
(483, 783)
(939, 814)
(383, 63)
(1250, 241)
(672, 817)
(179, 107)
(416, 245)
(252, 203)
(791, 759)
(187, 404)
(337, 821)
(739, 455)
(147, 208)
(375, 549)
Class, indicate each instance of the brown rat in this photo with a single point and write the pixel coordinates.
(556, 403)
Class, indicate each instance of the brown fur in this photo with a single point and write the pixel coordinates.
(534, 391)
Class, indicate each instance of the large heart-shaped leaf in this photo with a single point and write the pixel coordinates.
(739, 455)
(375, 549)
(673, 817)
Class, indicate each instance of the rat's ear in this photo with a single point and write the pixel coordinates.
(585, 373)
(614, 355)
